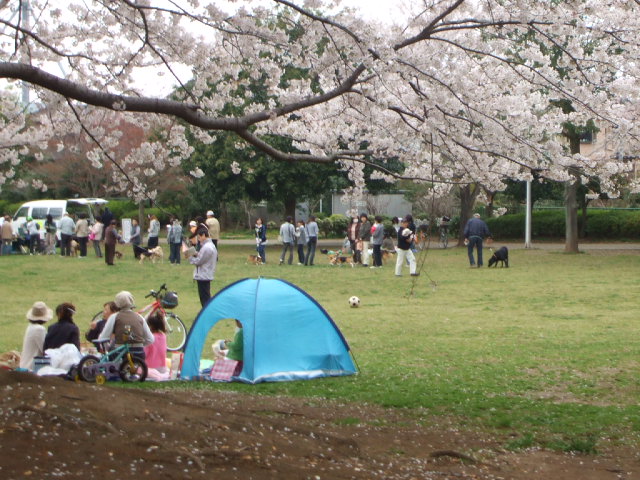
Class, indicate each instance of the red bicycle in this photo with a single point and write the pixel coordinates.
(164, 300)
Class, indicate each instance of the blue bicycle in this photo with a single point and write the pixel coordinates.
(117, 362)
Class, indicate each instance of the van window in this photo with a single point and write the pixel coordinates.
(39, 213)
(56, 213)
(23, 212)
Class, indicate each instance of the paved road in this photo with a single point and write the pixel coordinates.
(336, 243)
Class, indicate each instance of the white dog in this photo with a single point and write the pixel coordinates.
(153, 254)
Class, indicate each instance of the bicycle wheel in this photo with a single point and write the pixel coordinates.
(136, 371)
(176, 332)
(85, 372)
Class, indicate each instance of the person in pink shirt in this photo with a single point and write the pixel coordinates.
(156, 353)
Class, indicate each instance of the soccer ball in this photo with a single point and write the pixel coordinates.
(354, 302)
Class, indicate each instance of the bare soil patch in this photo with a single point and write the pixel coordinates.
(52, 428)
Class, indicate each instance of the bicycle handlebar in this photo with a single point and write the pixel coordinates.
(155, 294)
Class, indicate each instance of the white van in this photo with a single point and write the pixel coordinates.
(39, 209)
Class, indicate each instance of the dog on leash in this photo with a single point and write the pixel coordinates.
(500, 255)
(154, 254)
(339, 260)
(254, 259)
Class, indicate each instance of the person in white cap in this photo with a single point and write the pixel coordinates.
(127, 326)
(33, 343)
(214, 227)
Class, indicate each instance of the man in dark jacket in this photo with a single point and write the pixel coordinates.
(475, 231)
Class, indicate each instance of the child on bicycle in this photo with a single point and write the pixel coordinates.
(156, 353)
(127, 326)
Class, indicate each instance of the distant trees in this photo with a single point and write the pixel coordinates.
(459, 94)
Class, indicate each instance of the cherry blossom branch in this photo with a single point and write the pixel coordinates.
(427, 31)
(190, 113)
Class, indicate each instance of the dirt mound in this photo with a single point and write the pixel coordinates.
(56, 428)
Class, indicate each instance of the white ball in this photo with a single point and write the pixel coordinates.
(406, 232)
(354, 302)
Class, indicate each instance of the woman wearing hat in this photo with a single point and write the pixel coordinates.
(33, 343)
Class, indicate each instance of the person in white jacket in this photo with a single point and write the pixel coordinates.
(33, 343)
(205, 261)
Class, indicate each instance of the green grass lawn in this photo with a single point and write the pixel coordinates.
(543, 353)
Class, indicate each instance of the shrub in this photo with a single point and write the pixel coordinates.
(601, 224)
(338, 225)
(119, 208)
(325, 226)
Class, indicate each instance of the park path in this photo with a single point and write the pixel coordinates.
(553, 246)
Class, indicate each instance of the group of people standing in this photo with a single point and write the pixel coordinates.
(362, 234)
(303, 234)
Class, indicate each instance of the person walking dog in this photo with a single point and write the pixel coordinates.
(475, 231)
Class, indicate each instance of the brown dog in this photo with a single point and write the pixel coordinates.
(255, 259)
(340, 260)
(153, 254)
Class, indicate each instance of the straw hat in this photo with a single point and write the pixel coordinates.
(40, 312)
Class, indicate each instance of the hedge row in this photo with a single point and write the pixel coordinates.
(600, 224)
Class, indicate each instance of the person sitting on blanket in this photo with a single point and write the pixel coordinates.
(96, 327)
(236, 347)
(127, 326)
(233, 350)
(156, 353)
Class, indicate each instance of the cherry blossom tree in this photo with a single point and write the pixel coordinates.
(20, 136)
(462, 92)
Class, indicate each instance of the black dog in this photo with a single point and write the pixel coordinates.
(500, 255)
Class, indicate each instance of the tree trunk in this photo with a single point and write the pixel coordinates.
(571, 214)
(583, 216)
(468, 194)
(570, 199)
(491, 196)
(290, 208)
(140, 217)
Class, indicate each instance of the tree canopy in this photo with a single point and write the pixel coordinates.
(460, 92)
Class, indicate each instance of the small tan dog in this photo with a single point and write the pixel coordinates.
(75, 248)
(255, 259)
(153, 254)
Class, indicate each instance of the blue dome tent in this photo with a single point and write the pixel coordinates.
(287, 334)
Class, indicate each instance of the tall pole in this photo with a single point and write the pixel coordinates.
(527, 221)
(25, 20)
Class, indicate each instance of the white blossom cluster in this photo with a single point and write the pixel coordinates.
(460, 92)
(18, 138)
